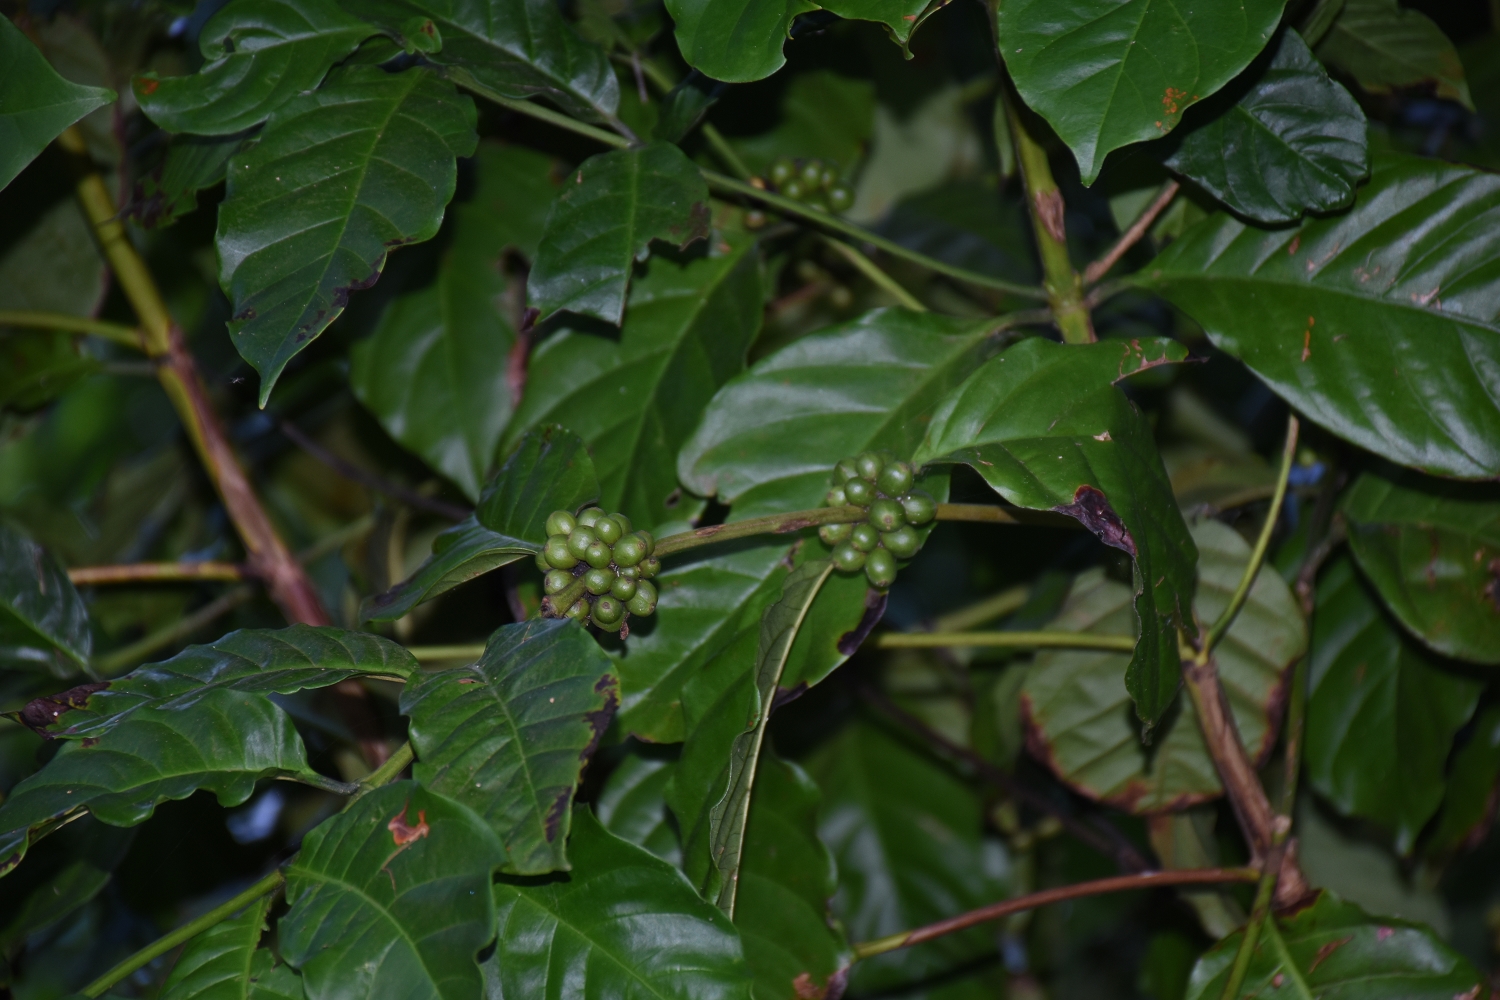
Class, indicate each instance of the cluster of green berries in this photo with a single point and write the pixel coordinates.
(883, 487)
(597, 570)
(812, 181)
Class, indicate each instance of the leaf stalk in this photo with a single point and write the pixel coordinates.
(31, 320)
(1005, 640)
(156, 572)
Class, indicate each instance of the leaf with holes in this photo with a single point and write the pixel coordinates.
(219, 964)
(43, 622)
(1384, 45)
(1047, 427)
(337, 178)
(36, 104)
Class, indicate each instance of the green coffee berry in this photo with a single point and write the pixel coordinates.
(580, 539)
(859, 492)
(903, 543)
(919, 506)
(629, 551)
(828, 178)
(836, 497)
(541, 561)
(560, 522)
(608, 611)
(649, 539)
(811, 174)
(650, 566)
(886, 515)
(623, 588)
(578, 611)
(793, 189)
(782, 170)
(608, 529)
(895, 479)
(628, 572)
(755, 219)
(832, 534)
(840, 198)
(880, 568)
(869, 464)
(864, 537)
(558, 554)
(845, 470)
(625, 526)
(847, 558)
(598, 555)
(590, 516)
(556, 581)
(598, 581)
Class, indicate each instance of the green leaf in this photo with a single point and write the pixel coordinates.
(36, 104)
(1046, 426)
(55, 266)
(63, 874)
(516, 48)
(1106, 73)
(1335, 951)
(250, 661)
(191, 163)
(736, 41)
(1075, 702)
(906, 833)
(226, 743)
(372, 916)
(43, 622)
(1286, 140)
(549, 470)
(261, 54)
(770, 438)
(1465, 815)
(1384, 45)
(218, 963)
(1432, 550)
(1381, 714)
(633, 804)
(622, 924)
(438, 370)
(823, 115)
(37, 366)
(269, 981)
(604, 221)
(337, 178)
(786, 879)
(1376, 323)
(510, 735)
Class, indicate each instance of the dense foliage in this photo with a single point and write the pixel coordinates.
(900, 499)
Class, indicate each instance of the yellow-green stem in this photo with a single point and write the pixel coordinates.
(1005, 640)
(440, 654)
(871, 270)
(387, 772)
(30, 320)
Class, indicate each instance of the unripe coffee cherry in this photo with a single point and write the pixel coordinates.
(782, 170)
(836, 497)
(903, 543)
(598, 581)
(811, 174)
(649, 539)
(624, 522)
(847, 558)
(880, 568)
(859, 492)
(628, 572)
(558, 553)
(845, 470)
(829, 178)
(541, 561)
(578, 611)
(624, 588)
(644, 601)
(629, 551)
(864, 537)
(580, 539)
(650, 566)
(794, 189)
(556, 581)
(560, 522)
(755, 219)
(832, 534)
(895, 479)
(887, 515)
(590, 516)
(919, 506)
(608, 611)
(868, 463)
(598, 555)
(608, 530)
(840, 198)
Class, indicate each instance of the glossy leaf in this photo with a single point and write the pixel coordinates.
(391, 898)
(1046, 426)
(906, 833)
(1075, 701)
(1466, 814)
(770, 438)
(261, 54)
(36, 104)
(1384, 45)
(337, 178)
(269, 981)
(1432, 550)
(549, 470)
(635, 400)
(1380, 323)
(633, 805)
(218, 963)
(438, 371)
(622, 924)
(1336, 951)
(604, 221)
(170, 189)
(43, 621)
(736, 41)
(510, 735)
(1381, 713)
(1106, 73)
(1286, 140)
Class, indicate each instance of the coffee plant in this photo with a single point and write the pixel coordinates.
(727, 499)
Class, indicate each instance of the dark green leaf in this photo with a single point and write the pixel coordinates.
(269, 981)
(1046, 426)
(604, 221)
(337, 178)
(510, 735)
(261, 54)
(62, 874)
(685, 105)
(170, 189)
(1377, 323)
(770, 438)
(390, 898)
(1466, 812)
(1432, 550)
(55, 266)
(906, 834)
(217, 964)
(1381, 713)
(1077, 707)
(633, 804)
(1384, 45)
(622, 924)
(43, 623)
(35, 103)
(37, 366)
(1106, 73)
(1334, 951)
(734, 40)
(1286, 140)
(549, 470)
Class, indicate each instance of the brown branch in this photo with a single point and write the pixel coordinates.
(159, 571)
(1131, 236)
(366, 478)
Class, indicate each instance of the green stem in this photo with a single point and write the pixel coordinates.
(984, 610)
(1285, 958)
(271, 883)
(1296, 716)
(325, 783)
(1016, 640)
(545, 114)
(438, 654)
(31, 320)
(387, 772)
(725, 151)
(870, 270)
(1258, 916)
(182, 628)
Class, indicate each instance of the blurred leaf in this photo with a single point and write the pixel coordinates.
(55, 267)
(391, 898)
(337, 178)
(1384, 45)
(604, 222)
(633, 804)
(935, 143)
(218, 963)
(1432, 550)
(191, 163)
(36, 104)
(823, 115)
(968, 224)
(510, 735)
(1469, 801)
(1077, 707)
(1283, 140)
(1185, 839)
(1046, 426)
(43, 621)
(685, 105)
(1374, 326)
(1215, 480)
(1106, 73)
(38, 366)
(72, 867)
(1381, 713)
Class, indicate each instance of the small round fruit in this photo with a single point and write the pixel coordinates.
(558, 554)
(864, 537)
(887, 515)
(869, 464)
(650, 566)
(847, 558)
(560, 522)
(556, 581)
(845, 470)
(627, 572)
(840, 297)
(793, 189)
(880, 567)
(541, 561)
(644, 601)
(588, 517)
(649, 539)
(624, 588)
(903, 543)
(578, 611)
(832, 534)
(919, 506)
(782, 170)
(598, 555)
(598, 581)
(840, 198)
(895, 479)
(829, 178)
(608, 530)
(811, 175)
(608, 610)
(755, 219)
(859, 492)
(836, 497)
(629, 550)
(580, 539)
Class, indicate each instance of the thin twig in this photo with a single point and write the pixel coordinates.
(158, 571)
(364, 477)
(1259, 914)
(441, 654)
(178, 630)
(1131, 236)
(984, 610)
(1005, 640)
(33, 320)
(540, 113)
(871, 270)
(389, 771)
